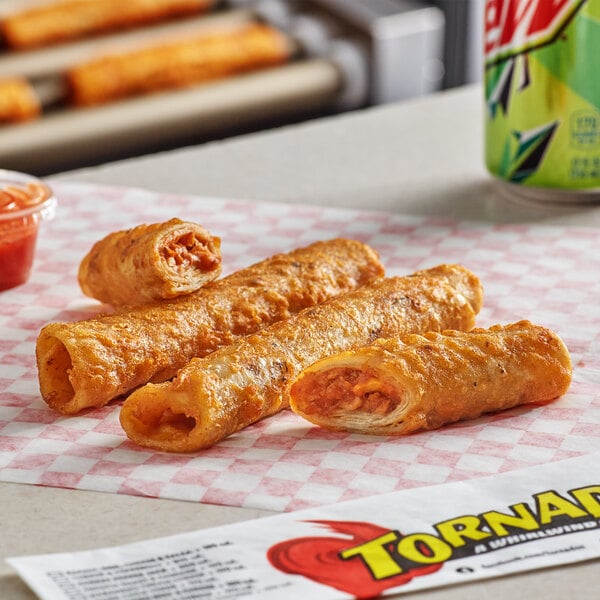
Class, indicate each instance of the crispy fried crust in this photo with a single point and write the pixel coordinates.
(177, 64)
(18, 101)
(217, 395)
(150, 262)
(64, 20)
(86, 364)
(399, 386)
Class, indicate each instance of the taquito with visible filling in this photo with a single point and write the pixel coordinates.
(399, 386)
(88, 363)
(64, 20)
(150, 262)
(18, 101)
(180, 63)
(220, 394)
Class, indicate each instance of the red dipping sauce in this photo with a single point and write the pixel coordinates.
(24, 202)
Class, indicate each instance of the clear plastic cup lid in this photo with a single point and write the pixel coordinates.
(23, 195)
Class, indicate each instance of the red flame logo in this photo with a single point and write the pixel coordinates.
(318, 558)
(513, 26)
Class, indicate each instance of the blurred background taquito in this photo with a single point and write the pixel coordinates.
(19, 101)
(176, 63)
(181, 58)
(50, 22)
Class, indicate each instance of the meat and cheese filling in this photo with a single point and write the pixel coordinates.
(188, 256)
(402, 385)
(188, 250)
(166, 422)
(348, 389)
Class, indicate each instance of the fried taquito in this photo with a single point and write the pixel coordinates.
(64, 20)
(18, 101)
(220, 394)
(88, 363)
(150, 262)
(177, 64)
(399, 386)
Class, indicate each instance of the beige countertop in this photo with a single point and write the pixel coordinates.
(421, 157)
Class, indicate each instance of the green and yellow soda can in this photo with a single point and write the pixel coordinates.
(542, 93)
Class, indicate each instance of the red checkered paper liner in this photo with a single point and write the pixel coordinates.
(549, 275)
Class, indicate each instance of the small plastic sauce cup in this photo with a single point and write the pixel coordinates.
(24, 202)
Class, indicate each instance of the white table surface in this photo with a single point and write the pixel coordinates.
(420, 157)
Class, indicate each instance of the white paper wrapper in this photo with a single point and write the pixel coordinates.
(388, 544)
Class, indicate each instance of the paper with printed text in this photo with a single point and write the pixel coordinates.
(383, 545)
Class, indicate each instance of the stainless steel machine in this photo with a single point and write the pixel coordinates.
(350, 54)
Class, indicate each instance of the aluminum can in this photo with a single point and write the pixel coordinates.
(542, 93)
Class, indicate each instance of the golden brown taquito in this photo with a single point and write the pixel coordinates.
(150, 262)
(177, 64)
(18, 101)
(88, 363)
(220, 394)
(399, 386)
(64, 20)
